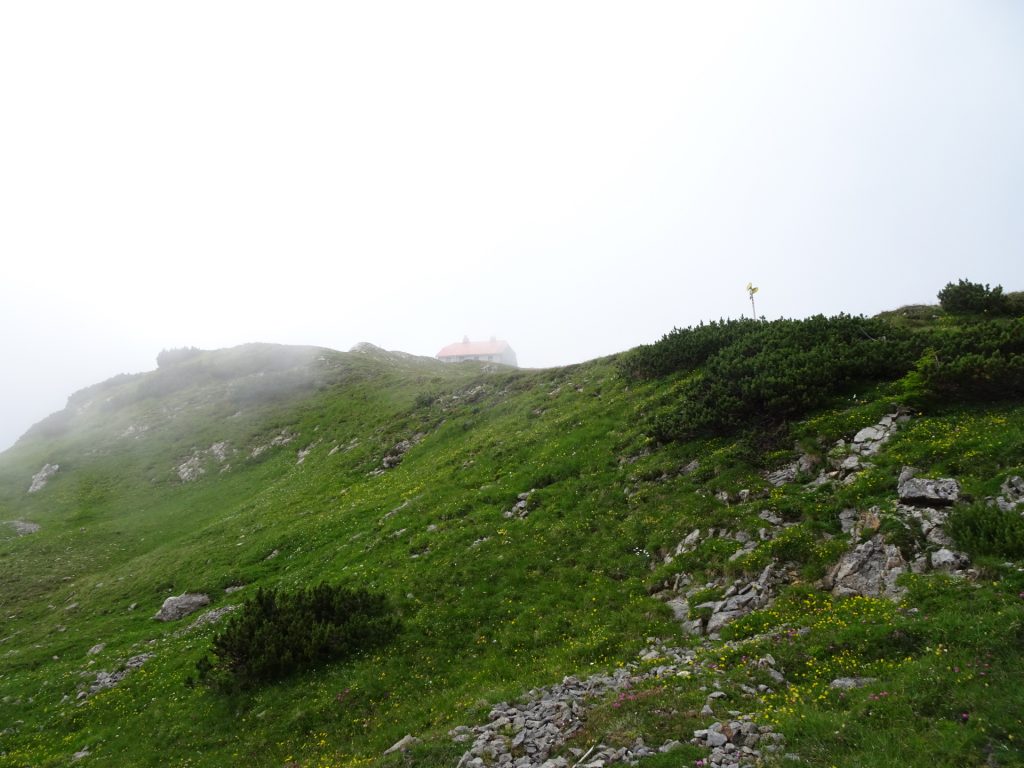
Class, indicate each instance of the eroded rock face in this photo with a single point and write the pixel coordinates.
(933, 492)
(870, 569)
(182, 605)
(42, 477)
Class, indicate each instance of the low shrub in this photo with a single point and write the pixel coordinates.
(967, 298)
(984, 361)
(278, 633)
(760, 375)
(987, 530)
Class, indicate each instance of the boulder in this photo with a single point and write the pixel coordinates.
(931, 492)
(849, 683)
(182, 605)
(947, 560)
(402, 745)
(870, 569)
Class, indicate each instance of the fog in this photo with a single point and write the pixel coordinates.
(573, 177)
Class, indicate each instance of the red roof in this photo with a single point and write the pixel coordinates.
(463, 348)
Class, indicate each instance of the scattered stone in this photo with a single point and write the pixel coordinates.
(279, 440)
(1012, 494)
(522, 506)
(234, 588)
(105, 680)
(98, 648)
(402, 745)
(80, 754)
(927, 491)
(849, 683)
(304, 452)
(524, 735)
(210, 617)
(394, 457)
(42, 477)
(182, 605)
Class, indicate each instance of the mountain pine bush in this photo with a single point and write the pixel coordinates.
(967, 298)
(278, 633)
(755, 374)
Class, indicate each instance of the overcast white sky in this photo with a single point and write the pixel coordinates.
(574, 177)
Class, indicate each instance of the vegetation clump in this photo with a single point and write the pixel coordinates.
(967, 298)
(755, 374)
(279, 633)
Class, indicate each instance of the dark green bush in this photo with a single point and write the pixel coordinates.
(683, 349)
(967, 298)
(984, 361)
(278, 633)
(981, 529)
(760, 375)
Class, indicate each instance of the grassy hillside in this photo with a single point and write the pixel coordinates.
(525, 526)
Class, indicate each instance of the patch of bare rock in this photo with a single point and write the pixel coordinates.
(282, 438)
(42, 477)
(105, 680)
(527, 734)
(394, 456)
(194, 467)
(23, 527)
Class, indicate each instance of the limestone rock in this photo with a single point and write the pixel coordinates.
(42, 477)
(947, 560)
(928, 491)
(402, 745)
(849, 683)
(182, 605)
(870, 569)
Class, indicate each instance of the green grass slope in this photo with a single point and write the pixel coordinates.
(278, 467)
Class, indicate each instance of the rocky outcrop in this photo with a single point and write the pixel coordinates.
(870, 569)
(191, 469)
(739, 599)
(283, 438)
(521, 508)
(194, 467)
(525, 735)
(846, 459)
(927, 491)
(182, 605)
(394, 457)
(42, 477)
(105, 680)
